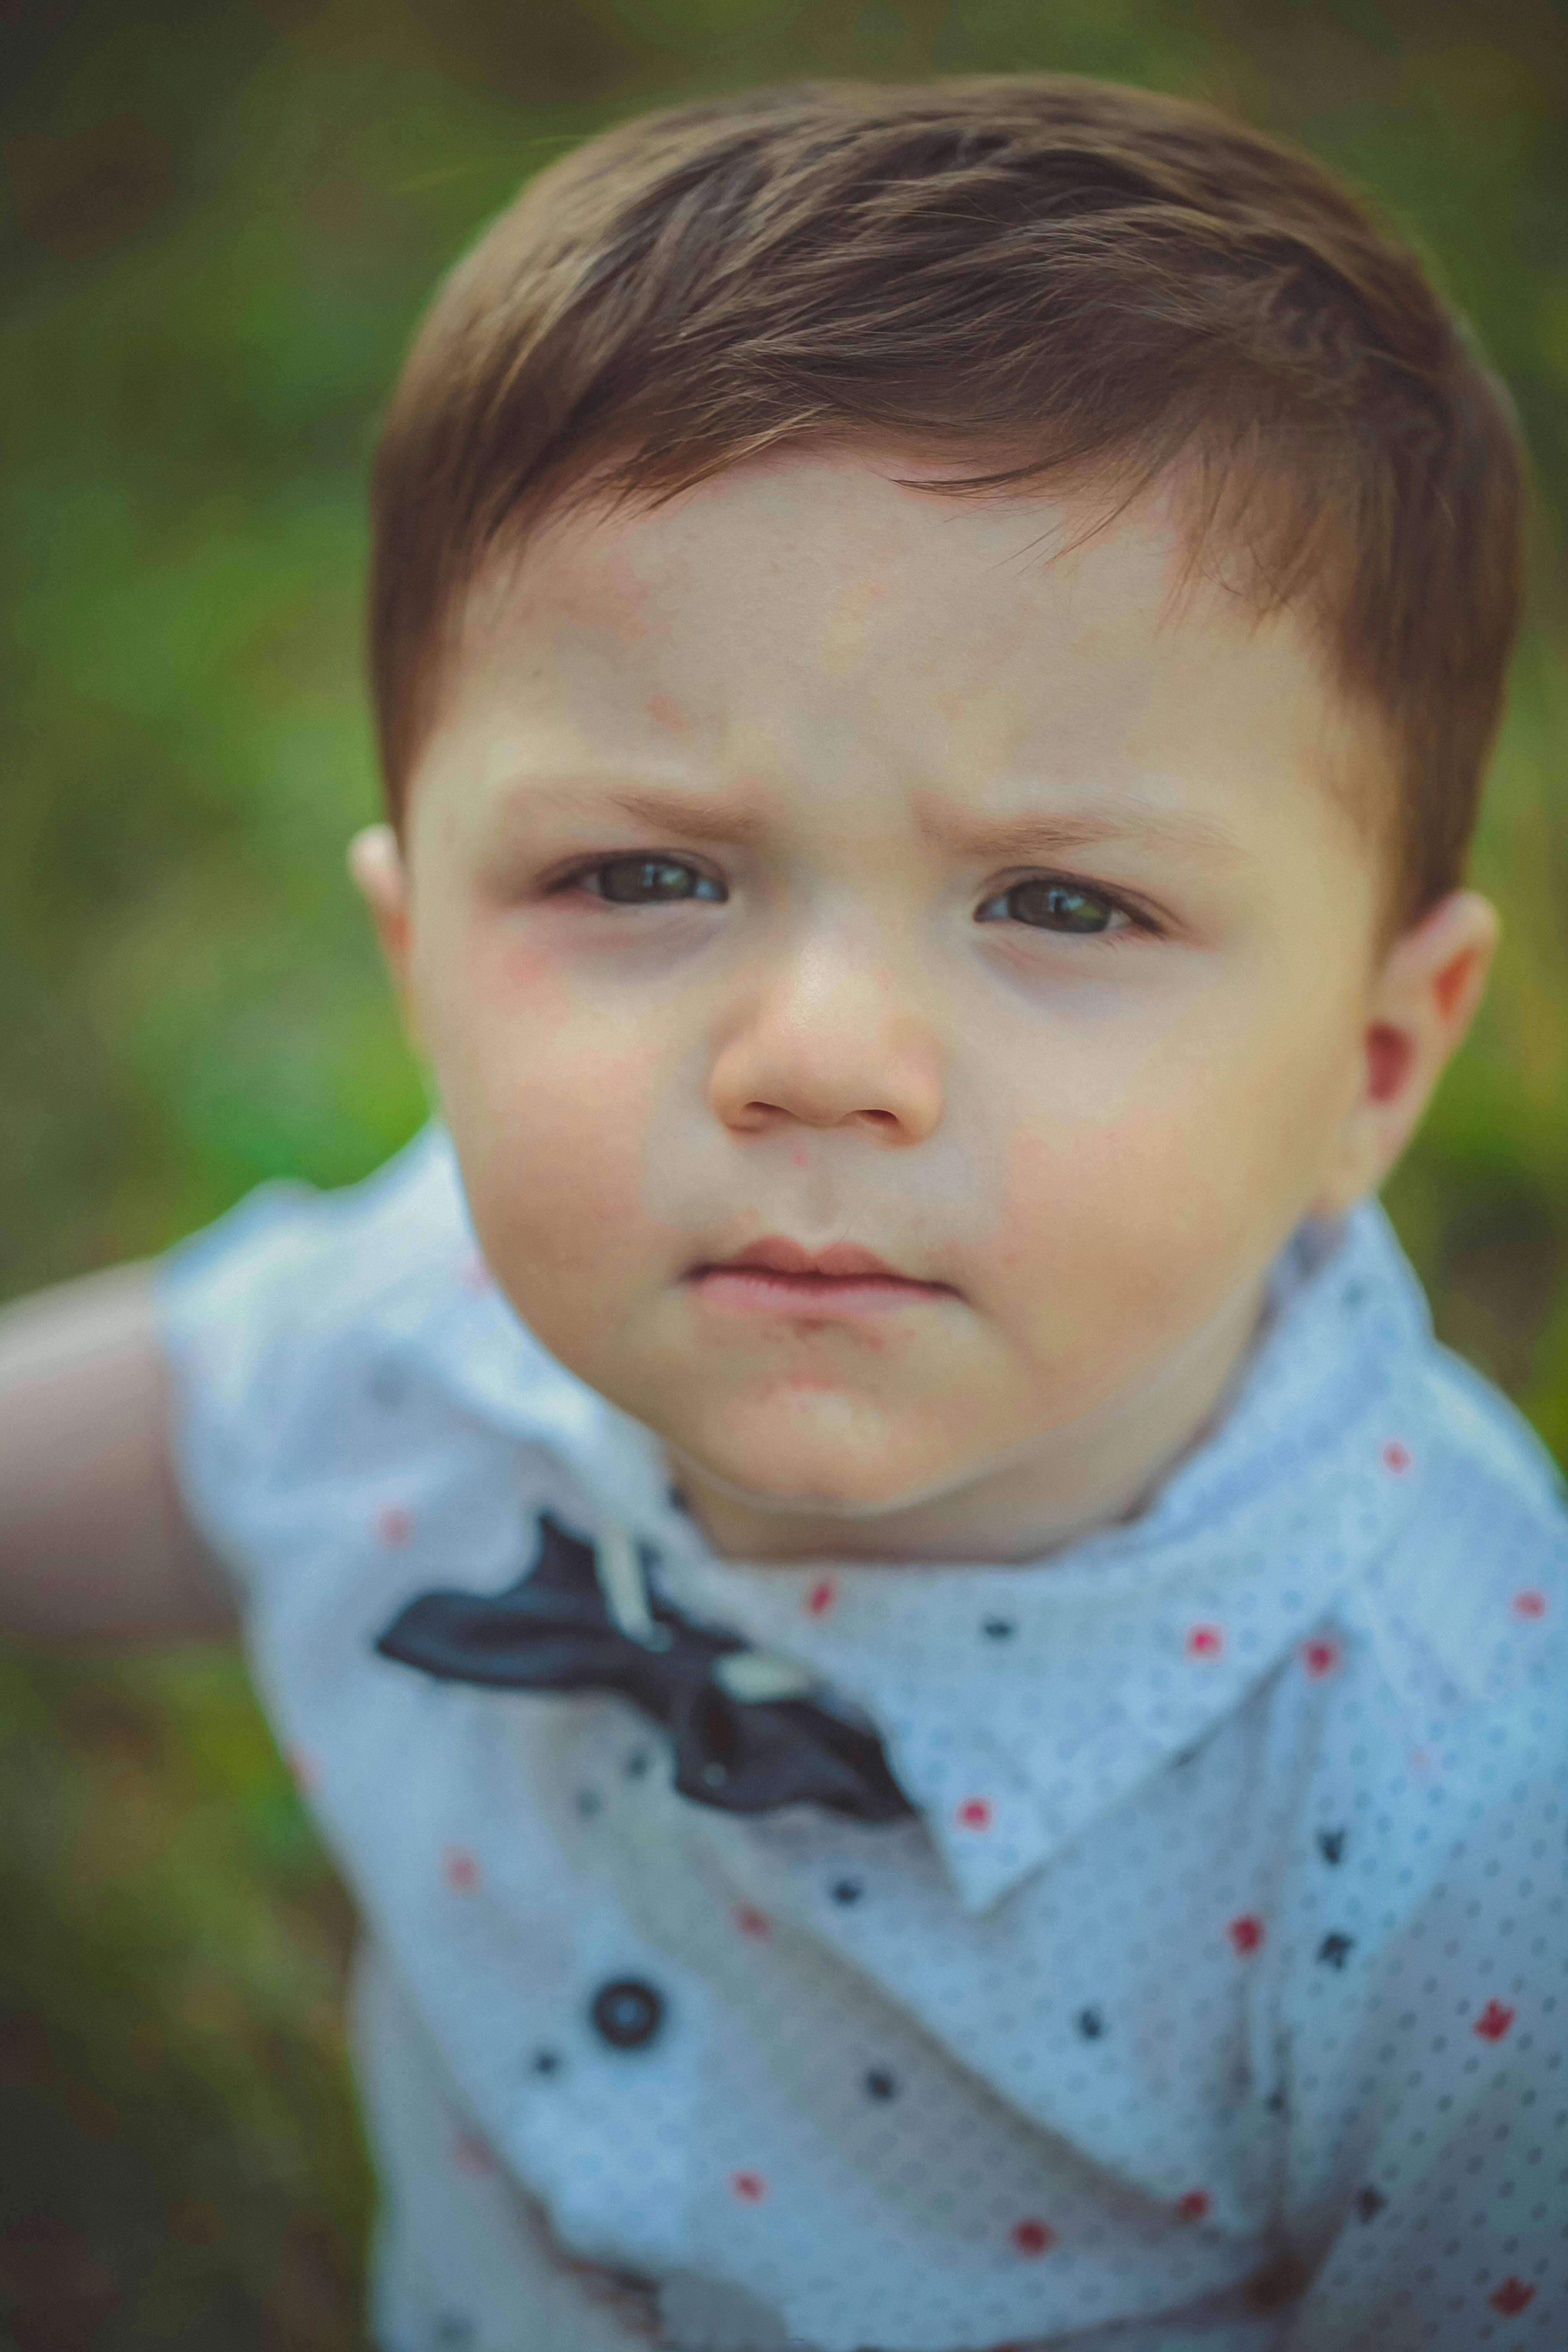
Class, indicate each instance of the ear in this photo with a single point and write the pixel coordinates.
(1421, 1002)
(376, 866)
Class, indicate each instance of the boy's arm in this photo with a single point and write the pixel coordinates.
(95, 1545)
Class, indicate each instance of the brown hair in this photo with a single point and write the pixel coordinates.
(1048, 276)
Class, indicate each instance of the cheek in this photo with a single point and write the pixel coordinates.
(522, 978)
(1141, 1204)
(549, 1106)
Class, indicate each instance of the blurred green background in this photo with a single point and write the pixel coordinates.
(219, 221)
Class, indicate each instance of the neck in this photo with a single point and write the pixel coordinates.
(1096, 1470)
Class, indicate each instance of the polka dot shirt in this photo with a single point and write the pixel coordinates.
(1212, 1993)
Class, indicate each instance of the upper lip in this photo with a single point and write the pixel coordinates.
(842, 1261)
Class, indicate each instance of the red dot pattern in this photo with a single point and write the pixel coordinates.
(1522, 1593)
(1033, 2237)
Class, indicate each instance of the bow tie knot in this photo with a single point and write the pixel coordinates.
(582, 1618)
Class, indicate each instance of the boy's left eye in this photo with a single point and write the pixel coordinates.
(1049, 906)
(647, 881)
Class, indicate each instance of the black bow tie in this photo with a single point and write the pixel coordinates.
(551, 1631)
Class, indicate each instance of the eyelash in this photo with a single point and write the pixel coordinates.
(1138, 921)
(579, 875)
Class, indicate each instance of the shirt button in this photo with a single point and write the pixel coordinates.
(628, 2013)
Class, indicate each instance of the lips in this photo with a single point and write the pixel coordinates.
(840, 1262)
(779, 1276)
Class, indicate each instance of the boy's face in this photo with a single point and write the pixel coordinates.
(818, 864)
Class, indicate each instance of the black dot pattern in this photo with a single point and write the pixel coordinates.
(1222, 1966)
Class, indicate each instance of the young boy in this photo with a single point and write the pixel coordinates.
(946, 1717)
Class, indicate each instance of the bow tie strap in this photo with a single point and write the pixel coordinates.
(748, 1674)
(755, 1674)
(621, 1582)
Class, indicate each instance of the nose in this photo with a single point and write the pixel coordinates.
(830, 1039)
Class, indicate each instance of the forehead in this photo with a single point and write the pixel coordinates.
(812, 616)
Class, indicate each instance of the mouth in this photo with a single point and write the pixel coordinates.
(776, 1276)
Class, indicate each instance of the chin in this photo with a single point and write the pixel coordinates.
(849, 1477)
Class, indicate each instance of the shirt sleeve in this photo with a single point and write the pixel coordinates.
(1452, 2126)
(267, 1319)
(225, 1302)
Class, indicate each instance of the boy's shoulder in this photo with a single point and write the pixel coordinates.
(318, 1257)
(342, 1359)
(299, 1303)
(1478, 1580)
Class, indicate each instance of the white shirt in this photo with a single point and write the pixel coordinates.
(1215, 1995)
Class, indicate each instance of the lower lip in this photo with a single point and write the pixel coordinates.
(754, 1290)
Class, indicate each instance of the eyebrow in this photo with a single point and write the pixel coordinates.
(1024, 835)
(699, 816)
(1020, 837)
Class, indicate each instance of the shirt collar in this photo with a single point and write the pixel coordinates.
(1017, 1703)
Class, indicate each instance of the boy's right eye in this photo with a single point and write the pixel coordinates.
(647, 881)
